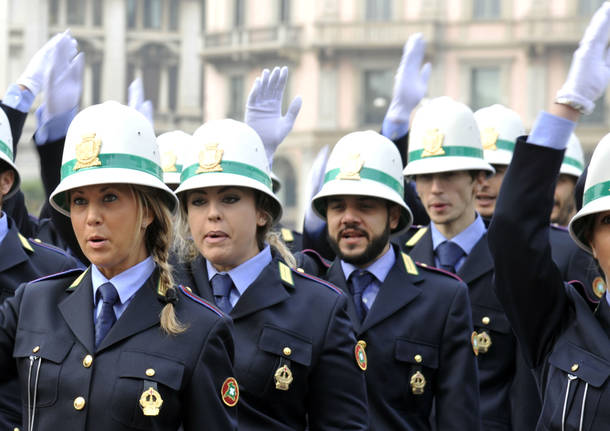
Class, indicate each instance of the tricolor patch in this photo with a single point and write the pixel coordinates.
(360, 353)
(230, 392)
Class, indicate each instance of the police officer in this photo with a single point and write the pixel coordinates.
(117, 346)
(565, 342)
(564, 207)
(294, 342)
(413, 322)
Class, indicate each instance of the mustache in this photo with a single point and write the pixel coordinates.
(354, 228)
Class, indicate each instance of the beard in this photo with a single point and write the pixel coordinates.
(370, 253)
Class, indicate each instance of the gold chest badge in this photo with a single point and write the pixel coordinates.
(168, 161)
(209, 159)
(351, 167)
(433, 143)
(283, 378)
(151, 402)
(484, 341)
(87, 152)
(418, 383)
(489, 137)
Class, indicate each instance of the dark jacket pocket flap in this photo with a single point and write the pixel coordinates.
(494, 320)
(417, 353)
(291, 346)
(583, 364)
(144, 366)
(41, 344)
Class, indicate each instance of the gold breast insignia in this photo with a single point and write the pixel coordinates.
(283, 378)
(151, 402)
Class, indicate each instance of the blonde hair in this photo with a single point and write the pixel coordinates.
(185, 248)
(158, 239)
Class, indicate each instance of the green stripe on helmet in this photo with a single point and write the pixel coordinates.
(6, 149)
(448, 152)
(502, 144)
(370, 174)
(595, 192)
(231, 167)
(116, 160)
(573, 162)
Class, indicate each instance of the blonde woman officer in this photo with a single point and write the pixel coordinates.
(294, 343)
(118, 346)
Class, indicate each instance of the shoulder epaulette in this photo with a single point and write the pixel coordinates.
(439, 270)
(416, 237)
(409, 265)
(318, 280)
(38, 243)
(558, 227)
(286, 273)
(78, 280)
(287, 235)
(25, 243)
(199, 300)
(317, 256)
(61, 274)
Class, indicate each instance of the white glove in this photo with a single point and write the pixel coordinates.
(136, 100)
(64, 79)
(411, 80)
(315, 181)
(33, 77)
(590, 68)
(264, 109)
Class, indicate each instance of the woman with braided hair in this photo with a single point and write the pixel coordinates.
(118, 346)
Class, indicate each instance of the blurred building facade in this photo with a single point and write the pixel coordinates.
(198, 59)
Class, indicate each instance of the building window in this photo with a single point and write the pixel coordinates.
(486, 9)
(132, 9)
(588, 7)
(378, 10)
(98, 13)
(284, 170)
(377, 94)
(238, 13)
(236, 98)
(484, 87)
(54, 12)
(76, 12)
(174, 11)
(172, 87)
(152, 14)
(284, 11)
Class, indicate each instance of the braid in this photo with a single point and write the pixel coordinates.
(274, 240)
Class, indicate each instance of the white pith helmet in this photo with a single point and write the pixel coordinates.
(227, 153)
(6, 152)
(277, 184)
(110, 143)
(596, 197)
(500, 127)
(574, 158)
(171, 147)
(364, 164)
(445, 137)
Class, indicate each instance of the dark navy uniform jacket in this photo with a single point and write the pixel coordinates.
(288, 318)
(47, 337)
(564, 341)
(497, 364)
(23, 260)
(420, 322)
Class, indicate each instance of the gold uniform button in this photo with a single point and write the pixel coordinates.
(418, 358)
(36, 349)
(188, 289)
(150, 372)
(79, 403)
(16, 429)
(485, 320)
(574, 367)
(87, 361)
(287, 351)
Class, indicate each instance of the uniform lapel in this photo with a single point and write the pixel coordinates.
(336, 276)
(142, 312)
(603, 315)
(77, 310)
(267, 290)
(423, 251)
(11, 249)
(477, 263)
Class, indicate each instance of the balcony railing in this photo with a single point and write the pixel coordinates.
(251, 40)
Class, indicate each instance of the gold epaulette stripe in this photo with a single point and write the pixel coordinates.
(78, 279)
(409, 265)
(287, 235)
(286, 274)
(24, 243)
(413, 240)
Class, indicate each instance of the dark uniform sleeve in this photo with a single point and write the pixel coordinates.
(9, 314)
(203, 407)
(457, 400)
(527, 282)
(337, 381)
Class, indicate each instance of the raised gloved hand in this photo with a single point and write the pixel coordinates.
(135, 99)
(312, 222)
(33, 77)
(411, 80)
(264, 109)
(590, 68)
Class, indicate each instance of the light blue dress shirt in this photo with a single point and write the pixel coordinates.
(243, 275)
(3, 225)
(127, 283)
(380, 269)
(466, 239)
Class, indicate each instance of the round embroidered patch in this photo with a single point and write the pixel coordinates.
(599, 287)
(230, 392)
(361, 355)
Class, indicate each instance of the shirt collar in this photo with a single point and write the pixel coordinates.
(379, 268)
(3, 225)
(127, 282)
(244, 274)
(466, 239)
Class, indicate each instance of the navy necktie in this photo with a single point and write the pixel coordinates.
(359, 280)
(221, 286)
(449, 253)
(106, 318)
